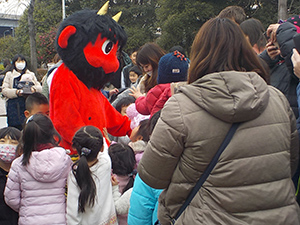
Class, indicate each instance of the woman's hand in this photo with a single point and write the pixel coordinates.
(271, 32)
(272, 50)
(19, 92)
(33, 89)
(296, 62)
(136, 92)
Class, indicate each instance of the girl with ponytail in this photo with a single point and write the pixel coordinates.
(90, 200)
(36, 182)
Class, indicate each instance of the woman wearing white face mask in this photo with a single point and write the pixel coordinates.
(15, 106)
(9, 140)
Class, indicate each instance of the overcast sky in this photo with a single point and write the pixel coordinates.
(13, 6)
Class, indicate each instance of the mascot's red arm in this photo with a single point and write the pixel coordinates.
(117, 125)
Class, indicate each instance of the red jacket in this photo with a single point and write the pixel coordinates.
(154, 100)
(73, 105)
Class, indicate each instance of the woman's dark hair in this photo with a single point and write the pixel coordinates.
(15, 59)
(88, 141)
(38, 130)
(254, 29)
(220, 45)
(126, 101)
(11, 132)
(234, 12)
(150, 53)
(123, 162)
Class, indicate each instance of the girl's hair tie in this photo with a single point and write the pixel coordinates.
(85, 151)
(133, 173)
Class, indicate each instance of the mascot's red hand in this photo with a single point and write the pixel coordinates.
(102, 54)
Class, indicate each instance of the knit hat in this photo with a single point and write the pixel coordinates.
(294, 20)
(172, 67)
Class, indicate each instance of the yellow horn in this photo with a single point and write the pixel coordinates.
(103, 9)
(117, 16)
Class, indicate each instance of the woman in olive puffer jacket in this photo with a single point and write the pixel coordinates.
(251, 183)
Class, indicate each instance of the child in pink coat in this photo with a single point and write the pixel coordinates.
(36, 181)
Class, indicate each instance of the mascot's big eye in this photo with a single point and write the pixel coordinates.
(107, 47)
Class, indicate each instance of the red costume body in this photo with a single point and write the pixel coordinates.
(73, 105)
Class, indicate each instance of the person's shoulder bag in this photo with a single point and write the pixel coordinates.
(206, 172)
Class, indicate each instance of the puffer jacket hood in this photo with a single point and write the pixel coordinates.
(48, 165)
(242, 99)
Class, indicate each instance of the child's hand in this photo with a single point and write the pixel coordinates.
(113, 91)
(114, 180)
(105, 134)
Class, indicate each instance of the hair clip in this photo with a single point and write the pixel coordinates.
(29, 119)
(85, 151)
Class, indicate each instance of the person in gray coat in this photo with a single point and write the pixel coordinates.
(251, 182)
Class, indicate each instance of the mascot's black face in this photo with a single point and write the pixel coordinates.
(87, 43)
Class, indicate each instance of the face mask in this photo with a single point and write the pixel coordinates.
(7, 152)
(149, 73)
(20, 65)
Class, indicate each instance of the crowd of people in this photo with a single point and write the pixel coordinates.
(166, 117)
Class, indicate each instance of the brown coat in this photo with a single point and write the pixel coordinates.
(251, 183)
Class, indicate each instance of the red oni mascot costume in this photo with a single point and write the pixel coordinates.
(87, 43)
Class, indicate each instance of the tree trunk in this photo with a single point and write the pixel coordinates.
(282, 9)
(33, 56)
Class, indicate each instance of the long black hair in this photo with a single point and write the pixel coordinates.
(88, 141)
(123, 162)
(38, 130)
